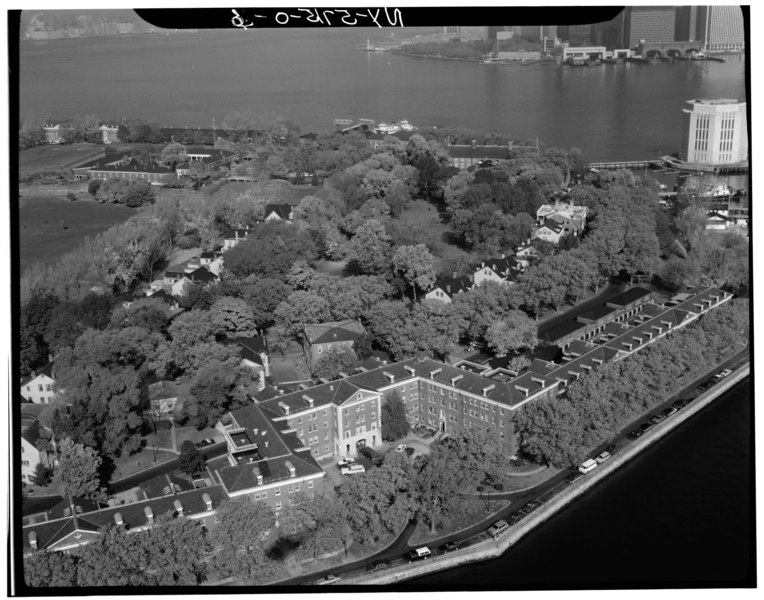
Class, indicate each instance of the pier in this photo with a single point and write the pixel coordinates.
(627, 164)
(670, 162)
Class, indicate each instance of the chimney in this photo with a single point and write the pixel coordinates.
(178, 507)
(455, 274)
(258, 475)
(33, 540)
(389, 376)
(448, 288)
(207, 501)
(118, 519)
(308, 399)
(290, 466)
(149, 514)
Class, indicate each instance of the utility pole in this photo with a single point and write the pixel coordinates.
(213, 131)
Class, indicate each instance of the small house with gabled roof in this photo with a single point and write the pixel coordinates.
(39, 386)
(278, 212)
(446, 288)
(319, 338)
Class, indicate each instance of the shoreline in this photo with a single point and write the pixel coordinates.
(490, 549)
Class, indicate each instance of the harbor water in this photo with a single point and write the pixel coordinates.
(679, 515)
(312, 76)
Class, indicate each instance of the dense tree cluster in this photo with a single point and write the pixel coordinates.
(562, 430)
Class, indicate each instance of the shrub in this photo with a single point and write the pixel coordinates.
(71, 196)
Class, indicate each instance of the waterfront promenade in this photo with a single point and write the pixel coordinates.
(563, 494)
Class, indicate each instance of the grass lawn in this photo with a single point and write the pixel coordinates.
(139, 461)
(424, 215)
(469, 511)
(42, 238)
(52, 157)
(515, 484)
(290, 367)
(281, 191)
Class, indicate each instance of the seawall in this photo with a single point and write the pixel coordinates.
(493, 548)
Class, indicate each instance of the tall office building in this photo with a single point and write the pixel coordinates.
(690, 23)
(724, 28)
(718, 27)
(714, 132)
(580, 35)
(653, 24)
(474, 33)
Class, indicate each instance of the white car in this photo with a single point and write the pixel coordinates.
(602, 457)
(346, 462)
(352, 469)
(400, 447)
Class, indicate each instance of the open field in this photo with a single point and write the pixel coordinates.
(41, 235)
(52, 157)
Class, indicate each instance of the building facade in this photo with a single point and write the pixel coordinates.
(715, 132)
(653, 24)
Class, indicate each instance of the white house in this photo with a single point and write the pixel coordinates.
(38, 387)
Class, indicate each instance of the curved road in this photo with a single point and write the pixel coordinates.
(395, 552)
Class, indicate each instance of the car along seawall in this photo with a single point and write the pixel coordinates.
(492, 548)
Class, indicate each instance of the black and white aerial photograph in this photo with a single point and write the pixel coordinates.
(380, 299)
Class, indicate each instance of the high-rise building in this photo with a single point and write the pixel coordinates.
(474, 33)
(724, 28)
(580, 35)
(715, 132)
(690, 23)
(653, 24)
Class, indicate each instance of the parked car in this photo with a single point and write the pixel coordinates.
(573, 477)
(419, 554)
(498, 528)
(679, 404)
(602, 457)
(400, 447)
(353, 469)
(587, 466)
(612, 448)
(515, 518)
(204, 443)
(667, 412)
(657, 418)
(633, 435)
(327, 579)
(645, 427)
(345, 462)
(381, 565)
(451, 546)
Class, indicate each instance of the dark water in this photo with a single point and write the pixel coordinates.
(679, 515)
(311, 77)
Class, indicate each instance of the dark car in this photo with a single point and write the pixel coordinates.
(679, 404)
(515, 518)
(645, 427)
(575, 476)
(633, 435)
(205, 443)
(612, 448)
(381, 565)
(657, 418)
(369, 453)
(667, 412)
(451, 546)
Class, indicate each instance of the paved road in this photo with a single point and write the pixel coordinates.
(395, 551)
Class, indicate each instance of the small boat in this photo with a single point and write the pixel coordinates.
(576, 61)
